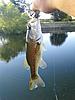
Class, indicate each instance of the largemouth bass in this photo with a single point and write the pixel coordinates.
(34, 54)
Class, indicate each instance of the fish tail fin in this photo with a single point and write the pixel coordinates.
(43, 64)
(34, 83)
(26, 66)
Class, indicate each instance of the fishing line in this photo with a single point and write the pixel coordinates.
(54, 82)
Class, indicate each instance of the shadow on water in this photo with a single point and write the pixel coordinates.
(58, 39)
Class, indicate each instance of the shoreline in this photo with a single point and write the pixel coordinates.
(58, 27)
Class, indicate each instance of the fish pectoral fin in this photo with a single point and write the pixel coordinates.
(26, 66)
(44, 47)
(43, 64)
(34, 83)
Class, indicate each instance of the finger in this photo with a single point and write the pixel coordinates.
(35, 5)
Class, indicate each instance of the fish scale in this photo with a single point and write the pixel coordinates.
(32, 57)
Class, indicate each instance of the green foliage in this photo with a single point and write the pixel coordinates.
(61, 16)
(11, 20)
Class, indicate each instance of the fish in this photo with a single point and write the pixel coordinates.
(34, 56)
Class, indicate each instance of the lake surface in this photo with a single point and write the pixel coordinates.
(59, 76)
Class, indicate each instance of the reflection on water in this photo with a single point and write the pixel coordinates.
(14, 78)
(58, 39)
(11, 46)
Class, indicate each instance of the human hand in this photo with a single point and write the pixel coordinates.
(47, 6)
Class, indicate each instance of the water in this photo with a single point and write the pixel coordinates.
(59, 76)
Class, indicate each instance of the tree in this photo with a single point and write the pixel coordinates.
(12, 21)
(20, 4)
(60, 16)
